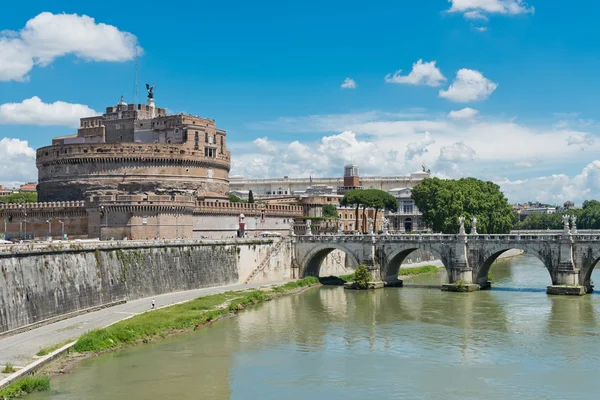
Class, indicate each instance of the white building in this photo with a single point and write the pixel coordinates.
(407, 217)
(274, 187)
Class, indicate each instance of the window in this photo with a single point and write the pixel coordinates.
(408, 207)
(205, 137)
(210, 152)
(196, 141)
(144, 220)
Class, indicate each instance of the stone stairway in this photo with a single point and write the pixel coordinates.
(265, 262)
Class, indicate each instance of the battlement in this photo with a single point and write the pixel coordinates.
(43, 206)
(250, 209)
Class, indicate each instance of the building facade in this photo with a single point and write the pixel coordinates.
(264, 188)
(136, 172)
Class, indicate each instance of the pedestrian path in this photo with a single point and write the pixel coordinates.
(20, 349)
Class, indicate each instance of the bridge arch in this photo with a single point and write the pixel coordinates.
(481, 265)
(310, 265)
(394, 257)
(589, 260)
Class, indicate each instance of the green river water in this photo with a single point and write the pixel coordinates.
(416, 342)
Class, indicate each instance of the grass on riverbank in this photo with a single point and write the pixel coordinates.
(180, 317)
(426, 269)
(44, 351)
(25, 386)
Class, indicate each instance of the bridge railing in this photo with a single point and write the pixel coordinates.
(553, 236)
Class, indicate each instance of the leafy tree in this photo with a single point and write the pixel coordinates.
(362, 277)
(234, 199)
(442, 202)
(25, 197)
(250, 197)
(330, 211)
(353, 198)
(542, 221)
(369, 198)
(379, 200)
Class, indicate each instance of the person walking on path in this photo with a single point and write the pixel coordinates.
(153, 303)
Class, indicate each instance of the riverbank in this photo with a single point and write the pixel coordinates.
(155, 325)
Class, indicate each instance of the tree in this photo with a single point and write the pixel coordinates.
(250, 197)
(542, 221)
(234, 199)
(353, 198)
(442, 202)
(379, 200)
(330, 211)
(25, 197)
(362, 277)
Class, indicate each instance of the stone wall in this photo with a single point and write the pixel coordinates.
(39, 282)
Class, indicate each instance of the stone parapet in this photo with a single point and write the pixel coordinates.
(248, 209)
(126, 152)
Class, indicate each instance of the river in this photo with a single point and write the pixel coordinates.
(416, 342)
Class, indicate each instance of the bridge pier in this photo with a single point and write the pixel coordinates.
(566, 277)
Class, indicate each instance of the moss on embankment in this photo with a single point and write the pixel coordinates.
(188, 316)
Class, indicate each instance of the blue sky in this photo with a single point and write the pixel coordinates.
(271, 75)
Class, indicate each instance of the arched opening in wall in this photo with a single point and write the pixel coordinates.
(513, 268)
(329, 261)
(415, 261)
(408, 225)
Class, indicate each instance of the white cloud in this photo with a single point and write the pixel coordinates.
(48, 36)
(18, 162)
(465, 113)
(397, 143)
(469, 85)
(422, 74)
(475, 15)
(264, 145)
(481, 28)
(523, 164)
(34, 111)
(418, 148)
(556, 188)
(503, 7)
(348, 84)
(580, 139)
(459, 152)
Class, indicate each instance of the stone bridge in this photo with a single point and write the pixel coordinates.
(569, 258)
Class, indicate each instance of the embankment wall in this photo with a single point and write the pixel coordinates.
(39, 282)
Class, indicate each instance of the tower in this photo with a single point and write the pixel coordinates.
(351, 178)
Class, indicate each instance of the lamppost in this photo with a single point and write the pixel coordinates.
(62, 229)
(5, 221)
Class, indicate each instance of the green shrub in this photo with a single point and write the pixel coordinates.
(362, 277)
(8, 369)
(25, 386)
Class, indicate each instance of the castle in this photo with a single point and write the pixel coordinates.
(137, 172)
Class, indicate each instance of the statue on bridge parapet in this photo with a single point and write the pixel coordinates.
(461, 229)
(386, 226)
(474, 226)
(574, 224)
(308, 227)
(370, 225)
(566, 219)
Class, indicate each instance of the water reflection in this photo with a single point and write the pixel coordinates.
(415, 342)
